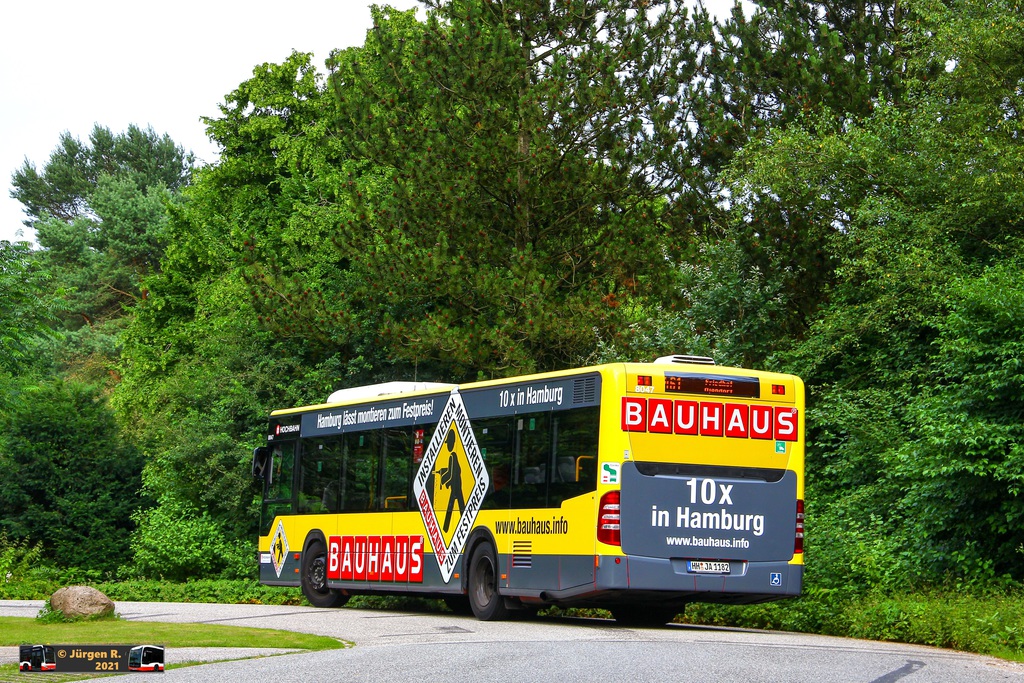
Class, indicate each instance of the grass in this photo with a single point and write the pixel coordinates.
(21, 630)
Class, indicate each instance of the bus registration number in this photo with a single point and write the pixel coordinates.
(701, 567)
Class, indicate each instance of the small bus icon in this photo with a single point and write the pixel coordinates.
(36, 658)
(146, 658)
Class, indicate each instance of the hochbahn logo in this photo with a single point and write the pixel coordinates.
(450, 484)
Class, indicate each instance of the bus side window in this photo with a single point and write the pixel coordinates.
(396, 479)
(574, 451)
(319, 486)
(531, 474)
(360, 469)
(497, 445)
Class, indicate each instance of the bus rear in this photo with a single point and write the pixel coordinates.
(701, 491)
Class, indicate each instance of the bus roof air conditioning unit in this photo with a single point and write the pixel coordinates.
(384, 389)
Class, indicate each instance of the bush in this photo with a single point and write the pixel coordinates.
(988, 624)
(17, 558)
(202, 590)
(175, 542)
(70, 480)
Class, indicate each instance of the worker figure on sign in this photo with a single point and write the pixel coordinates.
(279, 550)
(451, 477)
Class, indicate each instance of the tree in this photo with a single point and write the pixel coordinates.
(925, 211)
(966, 454)
(208, 354)
(64, 188)
(521, 159)
(757, 270)
(26, 309)
(99, 213)
(72, 482)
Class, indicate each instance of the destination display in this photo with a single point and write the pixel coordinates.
(712, 385)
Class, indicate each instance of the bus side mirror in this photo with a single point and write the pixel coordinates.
(260, 462)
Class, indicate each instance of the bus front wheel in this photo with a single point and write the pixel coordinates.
(484, 598)
(314, 578)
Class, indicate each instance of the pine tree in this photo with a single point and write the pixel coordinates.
(523, 154)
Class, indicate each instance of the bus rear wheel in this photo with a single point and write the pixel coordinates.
(484, 598)
(314, 578)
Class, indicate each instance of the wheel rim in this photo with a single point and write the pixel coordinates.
(483, 586)
(317, 574)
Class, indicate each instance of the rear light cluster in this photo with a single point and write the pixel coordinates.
(609, 528)
(799, 544)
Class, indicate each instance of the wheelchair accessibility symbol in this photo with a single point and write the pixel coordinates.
(775, 579)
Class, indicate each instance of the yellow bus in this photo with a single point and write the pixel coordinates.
(636, 487)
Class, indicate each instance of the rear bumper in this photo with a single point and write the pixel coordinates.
(748, 582)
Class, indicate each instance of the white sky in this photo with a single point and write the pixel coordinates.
(67, 65)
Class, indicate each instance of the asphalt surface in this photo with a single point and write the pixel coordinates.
(399, 646)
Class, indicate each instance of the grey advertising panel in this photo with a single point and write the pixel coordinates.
(509, 399)
(376, 415)
(531, 397)
(707, 514)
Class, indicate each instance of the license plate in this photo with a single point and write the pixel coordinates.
(701, 567)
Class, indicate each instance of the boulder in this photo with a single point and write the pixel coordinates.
(81, 601)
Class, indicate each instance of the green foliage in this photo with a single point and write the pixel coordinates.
(63, 188)
(962, 621)
(71, 480)
(991, 625)
(229, 591)
(652, 332)
(505, 200)
(404, 603)
(967, 458)
(785, 63)
(911, 355)
(174, 541)
(733, 302)
(99, 214)
(27, 309)
(17, 558)
(173, 635)
(206, 357)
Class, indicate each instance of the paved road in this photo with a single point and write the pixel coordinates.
(405, 646)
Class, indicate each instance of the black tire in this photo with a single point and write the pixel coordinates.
(314, 578)
(643, 615)
(459, 604)
(484, 597)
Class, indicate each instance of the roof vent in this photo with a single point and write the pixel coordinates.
(692, 360)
